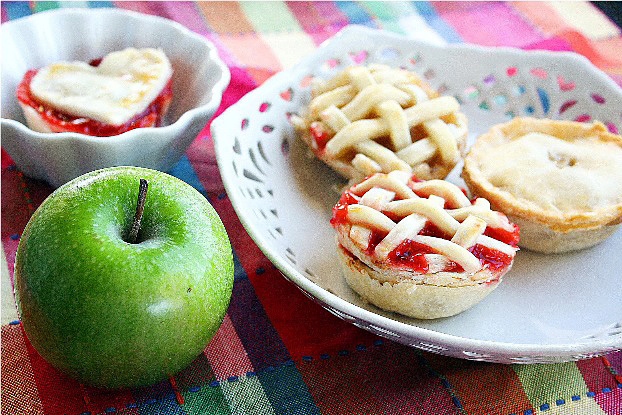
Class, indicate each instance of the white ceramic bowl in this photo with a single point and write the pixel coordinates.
(199, 80)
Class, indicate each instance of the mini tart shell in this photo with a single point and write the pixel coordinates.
(543, 231)
(422, 296)
(414, 298)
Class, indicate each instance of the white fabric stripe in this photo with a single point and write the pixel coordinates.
(289, 47)
(416, 27)
(583, 17)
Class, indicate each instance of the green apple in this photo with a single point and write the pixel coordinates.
(112, 312)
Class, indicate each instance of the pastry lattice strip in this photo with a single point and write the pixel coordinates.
(346, 100)
(414, 211)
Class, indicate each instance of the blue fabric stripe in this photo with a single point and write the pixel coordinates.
(355, 13)
(238, 269)
(156, 399)
(426, 11)
(16, 9)
(287, 391)
(99, 4)
(183, 170)
(260, 339)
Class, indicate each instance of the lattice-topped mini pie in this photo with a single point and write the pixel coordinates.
(560, 181)
(421, 248)
(371, 119)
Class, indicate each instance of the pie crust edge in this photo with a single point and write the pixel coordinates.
(542, 231)
(414, 298)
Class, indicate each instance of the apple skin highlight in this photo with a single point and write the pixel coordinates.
(114, 314)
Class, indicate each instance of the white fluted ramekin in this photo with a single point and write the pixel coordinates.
(199, 80)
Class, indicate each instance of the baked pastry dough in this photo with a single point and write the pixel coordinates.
(124, 90)
(560, 181)
(421, 249)
(370, 119)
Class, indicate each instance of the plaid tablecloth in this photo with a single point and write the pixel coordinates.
(291, 356)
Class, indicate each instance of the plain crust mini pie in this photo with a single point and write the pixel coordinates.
(421, 248)
(560, 181)
(370, 119)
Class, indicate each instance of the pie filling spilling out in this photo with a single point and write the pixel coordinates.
(377, 119)
(393, 230)
(124, 90)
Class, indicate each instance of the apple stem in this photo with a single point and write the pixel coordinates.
(140, 205)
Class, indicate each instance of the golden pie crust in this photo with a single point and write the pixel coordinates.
(378, 119)
(559, 181)
(376, 217)
(418, 299)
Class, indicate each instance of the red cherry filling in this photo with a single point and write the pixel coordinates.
(411, 254)
(59, 121)
(508, 237)
(493, 259)
(319, 136)
(340, 210)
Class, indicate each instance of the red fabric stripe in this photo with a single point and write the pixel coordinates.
(59, 394)
(146, 7)
(19, 392)
(482, 387)
(596, 375)
(198, 373)
(310, 19)
(615, 361)
(388, 378)
(610, 402)
(6, 159)
(581, 45)
(259, 75)
(20, 197)
(552, 44)
(226, 353)
(331, 14)
(98, 400)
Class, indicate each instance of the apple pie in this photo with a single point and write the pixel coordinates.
(421, 248)
(125, 90)
(560, 181)
(373, 119)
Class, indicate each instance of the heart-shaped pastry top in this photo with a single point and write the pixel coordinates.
(121, 86)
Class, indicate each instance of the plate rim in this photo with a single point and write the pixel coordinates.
(558, 352)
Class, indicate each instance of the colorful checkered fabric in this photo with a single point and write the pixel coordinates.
(292, 357)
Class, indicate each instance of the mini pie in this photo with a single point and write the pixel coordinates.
(125, 90)
(371, 119)
(421, 248)
(560, 181)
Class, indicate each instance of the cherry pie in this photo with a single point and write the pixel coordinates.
(371, 119)
(421, 248)
(125, 90)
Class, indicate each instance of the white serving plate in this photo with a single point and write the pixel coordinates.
(199, 79)
(549, 308)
